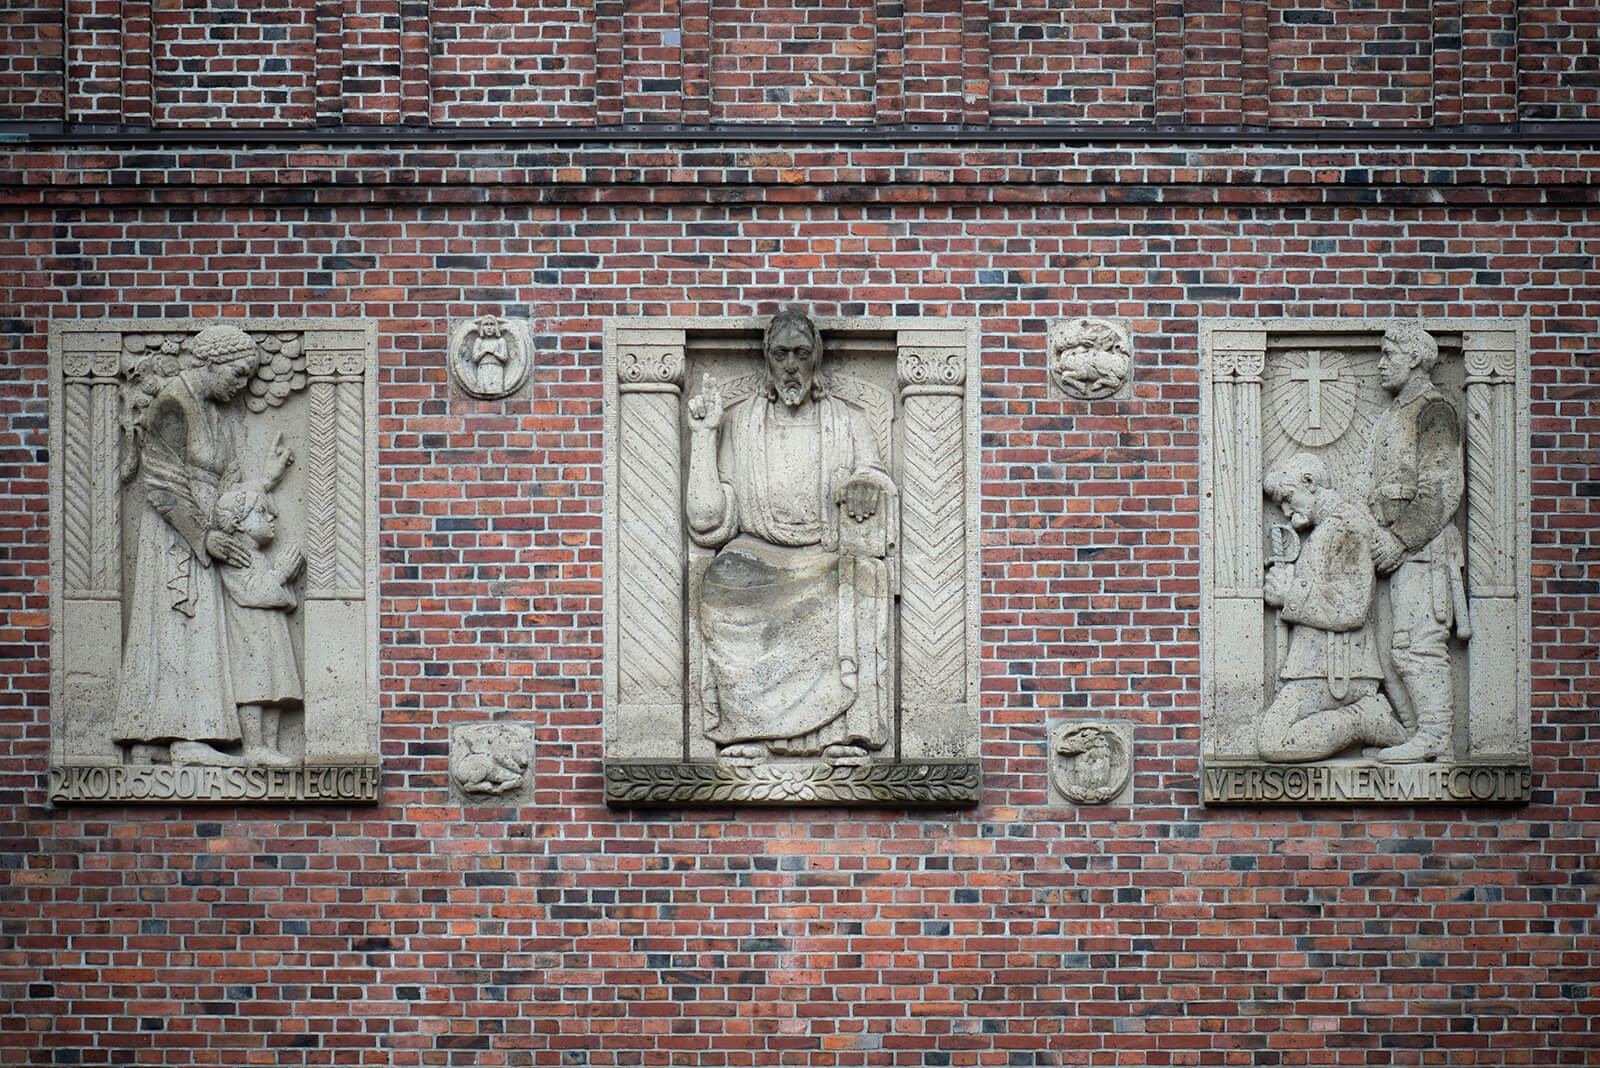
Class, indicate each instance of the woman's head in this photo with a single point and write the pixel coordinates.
(230, 357)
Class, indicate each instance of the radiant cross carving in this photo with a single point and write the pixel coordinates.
(1314, 376)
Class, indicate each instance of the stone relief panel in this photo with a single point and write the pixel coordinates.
(791, 588)
(1365, 605)
(1091, 762)
(213, 561)
(490, 762)
(1090, 359)
(490, 357)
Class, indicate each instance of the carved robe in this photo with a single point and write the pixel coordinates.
(176, 682)
(795, 633)
(260, 647)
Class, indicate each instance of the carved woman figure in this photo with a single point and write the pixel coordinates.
(176, 687)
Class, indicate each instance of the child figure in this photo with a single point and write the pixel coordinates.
(266, 676)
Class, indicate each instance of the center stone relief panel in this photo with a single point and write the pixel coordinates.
(791, 561)
(1365, 561)
(213, 548)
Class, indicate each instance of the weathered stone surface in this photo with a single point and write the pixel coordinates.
(213, 560)
(763, 526)
(1090, 359)
(706, 782)
(490, 356)
(1359, 782)
(1091, 762)
(1349, 639)
(491, 761)
(165, 783)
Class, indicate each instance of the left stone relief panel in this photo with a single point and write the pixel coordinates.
(213, 561)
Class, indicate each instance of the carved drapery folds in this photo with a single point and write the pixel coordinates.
(779, 554)
(214, 561)
(1365, 532)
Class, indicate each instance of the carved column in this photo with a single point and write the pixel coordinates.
(90, 528)
(933, 535)
(649, 576)
(335, 598)
(1231, 496)
(1494, 487)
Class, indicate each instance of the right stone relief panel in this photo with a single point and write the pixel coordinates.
(1364, 497)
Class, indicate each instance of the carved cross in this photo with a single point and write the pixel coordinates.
(1314, 376)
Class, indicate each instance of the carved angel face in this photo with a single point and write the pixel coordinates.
(792, 358)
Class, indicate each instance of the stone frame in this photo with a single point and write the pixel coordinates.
(338, 593)
(1496, 766)
(653, 753)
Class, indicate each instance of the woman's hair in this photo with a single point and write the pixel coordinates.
(223, 343)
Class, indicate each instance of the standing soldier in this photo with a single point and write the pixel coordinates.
(1416, 489)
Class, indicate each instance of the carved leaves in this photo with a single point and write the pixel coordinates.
(927, 782)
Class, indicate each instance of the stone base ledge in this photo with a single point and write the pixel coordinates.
(911, 782)
(164, 783)
(1364, 782)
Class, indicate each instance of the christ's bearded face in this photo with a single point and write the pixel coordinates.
(792, 363)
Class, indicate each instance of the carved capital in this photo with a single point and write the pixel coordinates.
(650, 367)
(1237, 365)
(1490, 356)
(941, 369)
(335, 353)
(92, 356)
(1238, 355)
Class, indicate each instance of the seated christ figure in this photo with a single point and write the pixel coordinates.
(795, 608)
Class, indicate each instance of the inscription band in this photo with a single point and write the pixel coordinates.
(1454, 784)
(195, 782)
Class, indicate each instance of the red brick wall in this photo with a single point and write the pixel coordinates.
(250, 64)
(1284, 63)
(31, 64)
(1558, 49)
(1351, 62)
(422, 933)
(808, 61)
(505, 60)
(1072, 61)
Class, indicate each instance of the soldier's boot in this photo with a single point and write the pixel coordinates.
(1435, 720)
(1376, 722)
